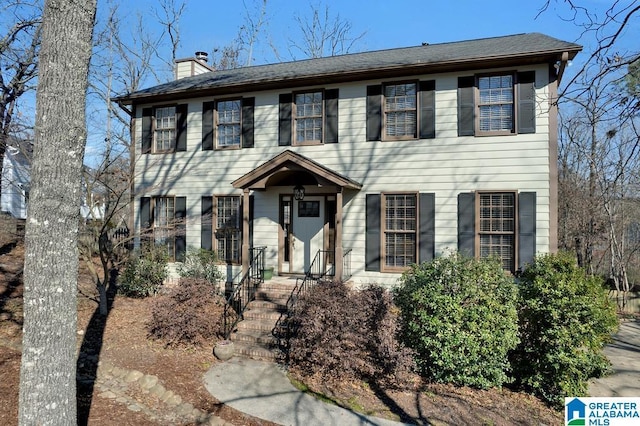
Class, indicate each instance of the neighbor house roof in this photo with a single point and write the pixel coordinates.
(429, 58)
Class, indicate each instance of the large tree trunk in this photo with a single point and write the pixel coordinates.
(47, 374)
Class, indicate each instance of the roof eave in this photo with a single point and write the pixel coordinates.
(497, 61)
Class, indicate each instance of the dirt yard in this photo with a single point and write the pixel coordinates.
(121, 340)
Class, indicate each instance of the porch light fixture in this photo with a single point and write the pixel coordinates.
(298, 192)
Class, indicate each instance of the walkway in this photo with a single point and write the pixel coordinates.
(262, 389)
(624, 354)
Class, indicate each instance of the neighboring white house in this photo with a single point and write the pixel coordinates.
(380, 159)
(16, 179)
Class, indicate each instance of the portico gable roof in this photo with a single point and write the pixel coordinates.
(286, 162)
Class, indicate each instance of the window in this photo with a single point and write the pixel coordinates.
(308, 119)
(400, 226)
(229, 126)
(496, 104)
(400, 111)
(227, 232)
(497, 227)
(163, 223)
(165, 129)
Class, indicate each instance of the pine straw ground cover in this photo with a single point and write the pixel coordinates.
(124, 342)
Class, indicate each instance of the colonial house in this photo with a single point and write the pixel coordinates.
(364, 163)
(16, 178)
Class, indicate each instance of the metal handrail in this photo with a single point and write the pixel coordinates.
(244, 292)
(346, 265)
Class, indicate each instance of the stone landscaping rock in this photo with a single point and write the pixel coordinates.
(108, 394)
(133, 376)
(147, 381)
(158, 390)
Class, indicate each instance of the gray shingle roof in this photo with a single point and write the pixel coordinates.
(426, 58)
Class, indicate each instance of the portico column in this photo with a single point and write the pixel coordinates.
(245, 231)
(338, 243)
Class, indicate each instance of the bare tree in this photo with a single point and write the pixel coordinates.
(240, 51)
(323, 34)
(48, 367)
(19, 48)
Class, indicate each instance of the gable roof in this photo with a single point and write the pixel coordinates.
(488, 52)
(290, 165)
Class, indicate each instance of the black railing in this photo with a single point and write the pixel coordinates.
(322, 265)
(244, 292)
(346, 265)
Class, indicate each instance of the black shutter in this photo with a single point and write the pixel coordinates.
(374, 112)
(206, 220)
(331, 116)
(526, 102)
(467, 223)
(372, 236)
(284, 125)
(427, 109)
(145, 218)
(526, 228)
(426, 227)
(181, 228)
(207, 125)
(147, 130)
(181, 127)
(248, 105)
(466, 106)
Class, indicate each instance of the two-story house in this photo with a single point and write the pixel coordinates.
(379, 159)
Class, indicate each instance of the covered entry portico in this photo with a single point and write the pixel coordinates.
(314, 212)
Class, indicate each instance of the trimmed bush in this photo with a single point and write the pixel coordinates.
(144, 272)
(459, 316)
(565, 318)
(340, 333)
(190, 314)
(200, 263)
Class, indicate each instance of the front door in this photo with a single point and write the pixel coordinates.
(307, 232)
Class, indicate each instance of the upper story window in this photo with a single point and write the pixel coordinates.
(497, 104)
(229, 125)
(165, 129)
(308, 117)
(400, 111)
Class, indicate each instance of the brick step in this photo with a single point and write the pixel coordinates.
(272, 297)
(255, 324)
(255, 313)
(268, 305)
(265, 339)
(256, 351)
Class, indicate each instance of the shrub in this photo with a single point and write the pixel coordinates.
(565, 318)
(200, 263)
(459, 315)
(340, 333)
(144, 272)
(190, 313)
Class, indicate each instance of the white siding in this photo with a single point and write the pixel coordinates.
(446, 166)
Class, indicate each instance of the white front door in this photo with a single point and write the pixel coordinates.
(308, 232)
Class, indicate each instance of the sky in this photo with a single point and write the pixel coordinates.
(385, 23)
